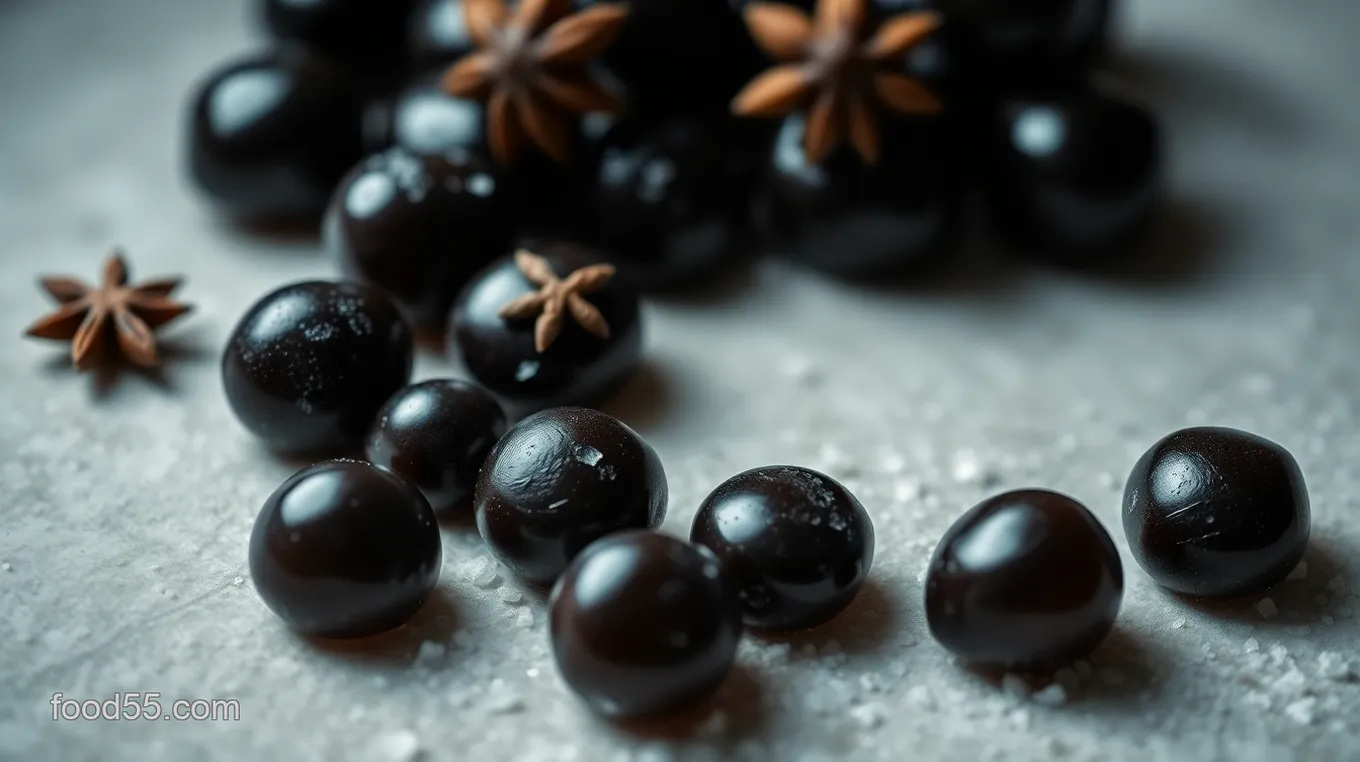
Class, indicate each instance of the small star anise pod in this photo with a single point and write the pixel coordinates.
(531, 68)
(829, 67)
(89, 314)
(556, 297)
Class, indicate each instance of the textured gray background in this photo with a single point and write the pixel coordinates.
(126, 502)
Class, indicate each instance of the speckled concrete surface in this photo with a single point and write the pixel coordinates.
(127, 502)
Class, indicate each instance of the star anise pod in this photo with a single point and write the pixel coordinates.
(532, 69)
(556, 297)
(89, 314)
(842, 78)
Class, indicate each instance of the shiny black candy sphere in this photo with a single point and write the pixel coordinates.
(344, 549)
(797, 545)
(309, 365)
(578, 368)
(669, 205)
(419, 227)
(270, 135)
(1073, 178)
(643, 624)
(437, 434)
(561, 479)
(1025, 580)
(545, 195)
(366, 34)
(856, 220)
(1217, 513)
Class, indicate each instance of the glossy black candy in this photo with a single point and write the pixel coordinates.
(419, 227)
(561, 479)
(643, 624)
(1073, 177)
(578, 368)
(855, 220)
(437, 434)
(271, 134)
(344, 549)
(1025, 580)
(796, 544)
(669, 205)
(366, 34)
(545, 195)
(310, 364)
(1217, 513)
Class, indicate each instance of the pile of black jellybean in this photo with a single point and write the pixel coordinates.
(345, 123)
(641, 623)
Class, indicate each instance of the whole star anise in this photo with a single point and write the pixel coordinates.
(830, 68)
(89, 314)
(556, 297)
(532, 70)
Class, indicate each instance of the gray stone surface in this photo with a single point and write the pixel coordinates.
(126, 503)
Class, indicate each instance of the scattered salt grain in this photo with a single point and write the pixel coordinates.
(832, 647)
(476, 568)
(872, 682)
(1337, 584)
(1290, 683)
(398, 746)
(1327, 620)
(1278, 654)
(1299, 572)
(898, 669)
(463, 639)
(9, 567)
(919, 695)
(429, 652)
(808, 650)
(1020, 718)
(1108, 480)
(801, 369)
(1051, 695)
(1334, 666)
(714, 725)
(502, 699)
(525, 618)
(894, 463)
(1301, 711)
(1251, 646)
(905, 490)
(1267, 609)
(870, 716)
(511, 595)
(1176, 624)
(967, 469)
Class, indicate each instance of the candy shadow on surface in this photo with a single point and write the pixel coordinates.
(868, 624)
(1180, 248)
(108, 379)
(1295, 601)
(1123, 671)
(738, 711)
(645, 398)
(436, 622)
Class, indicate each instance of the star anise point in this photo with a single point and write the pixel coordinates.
(556, 298)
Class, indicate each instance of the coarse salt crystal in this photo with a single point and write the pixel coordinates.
(1051, 695)
(398, 746)
(1176, 624)
(1301, 711)
(1267, 609)
(1251, 646)
(1015, 685)
(869, 716)
(1299, 572)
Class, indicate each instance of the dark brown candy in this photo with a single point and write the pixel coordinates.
(437, 434)
(1216, 512)
(344, 549)
(310, 364)
(644, 624)
(561, 479)
(797, 544)
(419, 227)
(580, 364)
(1025, 580)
